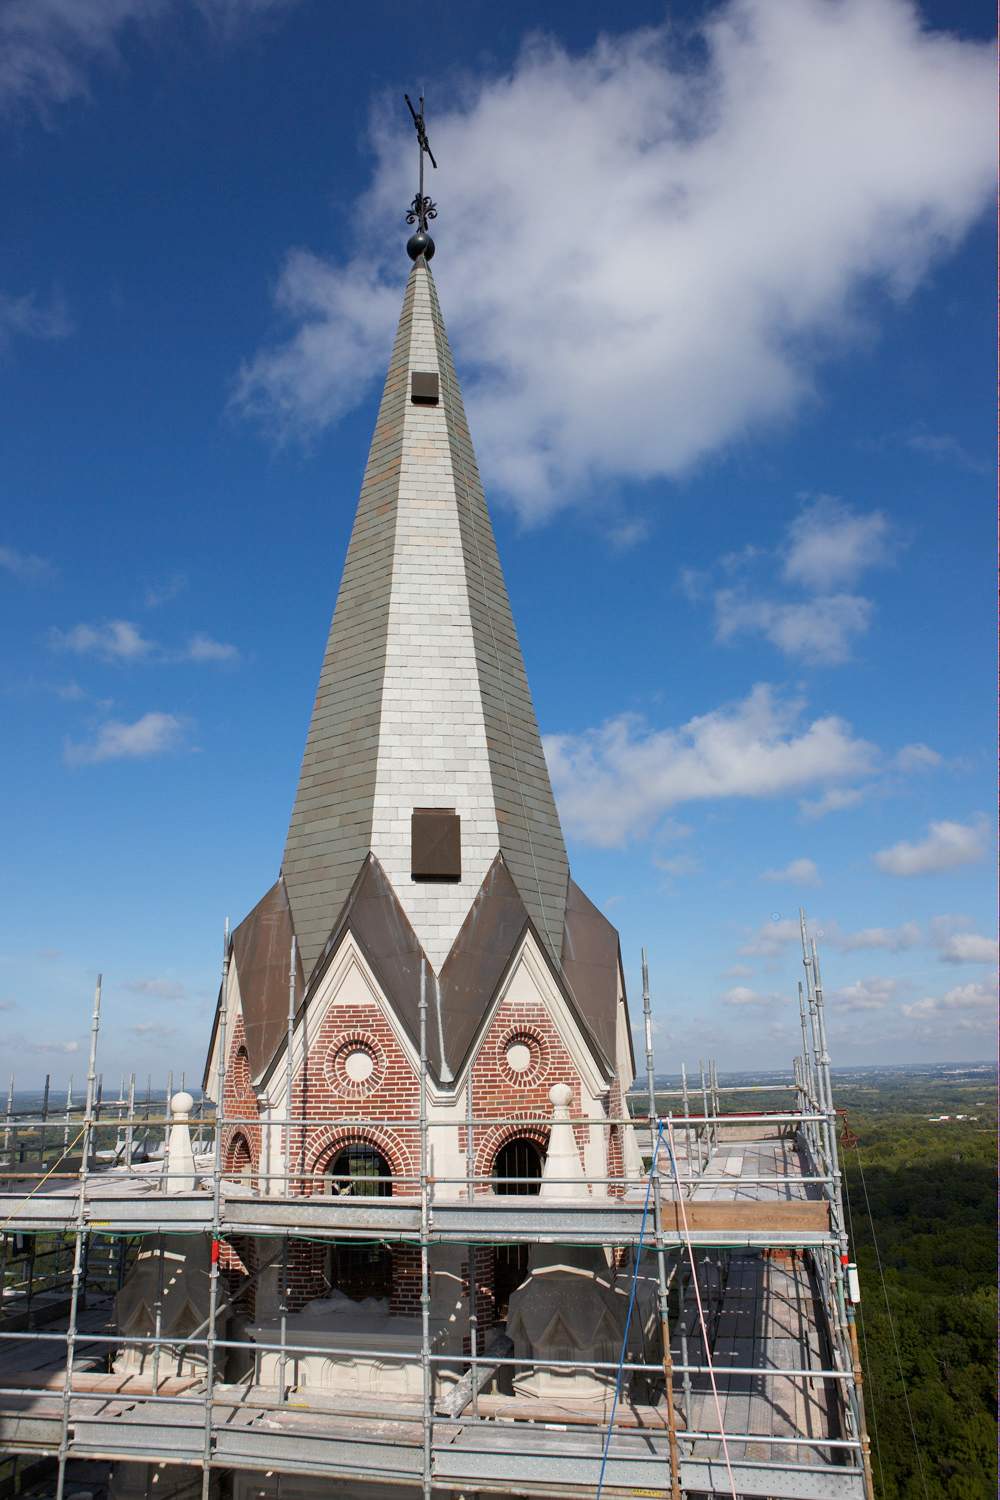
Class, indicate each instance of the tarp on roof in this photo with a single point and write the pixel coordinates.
(479, 958)
(261, 951)
(590, 961)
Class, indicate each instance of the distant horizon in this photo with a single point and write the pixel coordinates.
(158, 1090)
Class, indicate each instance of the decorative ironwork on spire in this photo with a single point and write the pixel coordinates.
(422, 208)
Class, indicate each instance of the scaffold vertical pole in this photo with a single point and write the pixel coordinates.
(129, 1139)
(158, 1311)
(213, 1283)
(287, 1145)
(8, 1115)
(687, 1111)
(809, 1083)
(661, 1257)
(844, 1298)
(470, 1167)
(841, 1309)
(425, 1293)
(289, 1068)
(43, 1133)
(706, 1127)
(69, 1107)
(81, 1216)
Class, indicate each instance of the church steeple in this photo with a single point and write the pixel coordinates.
(423, 701)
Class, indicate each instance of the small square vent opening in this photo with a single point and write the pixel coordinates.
(435, 844)
(424, 388)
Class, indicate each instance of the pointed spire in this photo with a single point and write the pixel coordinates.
(423, 700)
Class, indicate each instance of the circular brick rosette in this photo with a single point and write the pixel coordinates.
(356, 1066)
(522, 1057)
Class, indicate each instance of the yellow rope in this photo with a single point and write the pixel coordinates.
(62, 1157)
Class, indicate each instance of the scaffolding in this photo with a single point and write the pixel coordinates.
(752, 1388)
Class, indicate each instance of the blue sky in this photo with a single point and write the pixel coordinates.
(720, 289)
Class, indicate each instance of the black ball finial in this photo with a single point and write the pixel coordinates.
(420, 244)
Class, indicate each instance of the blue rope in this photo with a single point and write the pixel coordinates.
(628, 1316)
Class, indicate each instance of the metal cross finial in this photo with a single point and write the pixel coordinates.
(422, 208)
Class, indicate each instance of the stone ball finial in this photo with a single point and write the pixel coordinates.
(420, 244)
(182, 1104)
(560, 1094)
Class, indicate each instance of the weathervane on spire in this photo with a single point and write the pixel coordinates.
(422, 208)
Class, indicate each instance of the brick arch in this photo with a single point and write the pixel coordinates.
(240, 1099)
(499, 1136)
(325, 1143)
(240, 1069)
(239, 1152)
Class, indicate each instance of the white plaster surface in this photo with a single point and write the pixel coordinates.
(359, 1065)
(518, 1057)
(370, 1329)
(181, 1176)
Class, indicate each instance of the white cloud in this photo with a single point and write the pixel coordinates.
(723, 252)
(970, 948)
(738, 971)
(772, 938)
(831, 545)
(917, 758)
(24, 317)
(152, 1031)
(834, 799)
(693, 583)
(678, 864)
(123, 641)
(59, 1049)
(741, 995)
(114, 640)
(156, 989)
(945, 446)
(614, 782)
(204, 648)
(887, 939)
(153, 734)
(946, 847)
(819, 630)
(671, 829)
(797, 872)
(827, 545)
(910, 760)
(158, 594)
(975, 996)
(47, 47)
(628, 534)
(25, 565)
(742, 558)
(865, 994)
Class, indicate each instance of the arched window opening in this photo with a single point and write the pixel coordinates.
(241, 1161)
(241, 1071)
(358, 1170)
(519, 1158)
